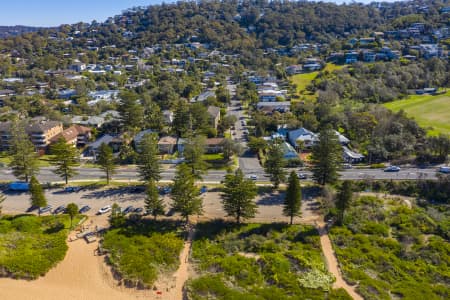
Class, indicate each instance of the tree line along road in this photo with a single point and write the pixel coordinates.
(216, 176)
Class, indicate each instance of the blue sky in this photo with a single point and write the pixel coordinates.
(56, 12)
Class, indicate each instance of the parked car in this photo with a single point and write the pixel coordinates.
(392, 169)
(45, 209)
(72, 189)
(253, 177)
(445, 170)
(302, 176)
(138, 210)
(84, 209)
(128, 209)
(347, 166)
(59, 209)
(104, 210)
(165, 190)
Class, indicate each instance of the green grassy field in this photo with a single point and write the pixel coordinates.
(303, 80)
(431, 112)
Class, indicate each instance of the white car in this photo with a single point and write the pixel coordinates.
(104, 210)
(445, 170)
(253, 177)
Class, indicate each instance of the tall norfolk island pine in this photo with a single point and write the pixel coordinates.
(24, 159)
(274, 165)
(326, 157)
(65, 159)
(106, 161)
(185, 195)
(238, 195)
(154, 204)
(37, 196)
(148, 164)
(293, 198)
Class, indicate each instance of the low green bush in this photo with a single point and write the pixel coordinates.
(392, 251)
(259, 261)
(140, 250)
(32, 245)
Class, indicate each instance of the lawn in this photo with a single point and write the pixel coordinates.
(303, 80)
(141, 250)
(259, 261)
(30, 246)
(392, 251)
(431, 112)
(43, 161)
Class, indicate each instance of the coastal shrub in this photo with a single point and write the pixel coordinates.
(259, 261)
(140, 250)
(30, 245)
(392, 251)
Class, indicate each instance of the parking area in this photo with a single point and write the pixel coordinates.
(269, 204)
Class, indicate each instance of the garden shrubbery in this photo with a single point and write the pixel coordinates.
(259, 261)
(30, 246)
(392, 251)
(140, 249)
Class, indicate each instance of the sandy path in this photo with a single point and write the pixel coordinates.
(80, 276)
(332, 264)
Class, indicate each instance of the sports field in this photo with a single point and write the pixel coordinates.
(431, 112)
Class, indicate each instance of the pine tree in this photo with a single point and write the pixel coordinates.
(238, 196)
(194, 148)
(293, 198)
(154, 204)
(72, 211)
(65, 159)
(326, 157)
(131, 111)
(343, 199)
(106, 161)
(24, 159)
(37, 194)
(274, 164)
(185, 195)
(148, 161)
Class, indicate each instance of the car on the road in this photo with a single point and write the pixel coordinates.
(253, 177)
(164, 190)
(84, 209)
(445, 170)
(243, 123)
(392, 169)
(302, 176)
(128, 209)
(347, 166)
(104, 210)
(138, 210)
(59, 209)
(45, 209)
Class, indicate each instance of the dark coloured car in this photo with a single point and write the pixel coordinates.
(59, 209)
(84, 209)
(138, 210)
(45, 209)
(128, 209)
(203, 189)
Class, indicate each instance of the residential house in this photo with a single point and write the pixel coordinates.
(351, 156)
(214, 145)
(288, 151)
(294, 69)
(214, 116)
(167, 117)
(167, 145)
(75, 135)
(203, 96)
(138, 137)
(302, 138)
(351, 57)
(93, 148)
(270, 107)
(94, 121)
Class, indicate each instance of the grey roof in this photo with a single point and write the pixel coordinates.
(138, 137)
(214, 111)
(104, 139)
(352, 154)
